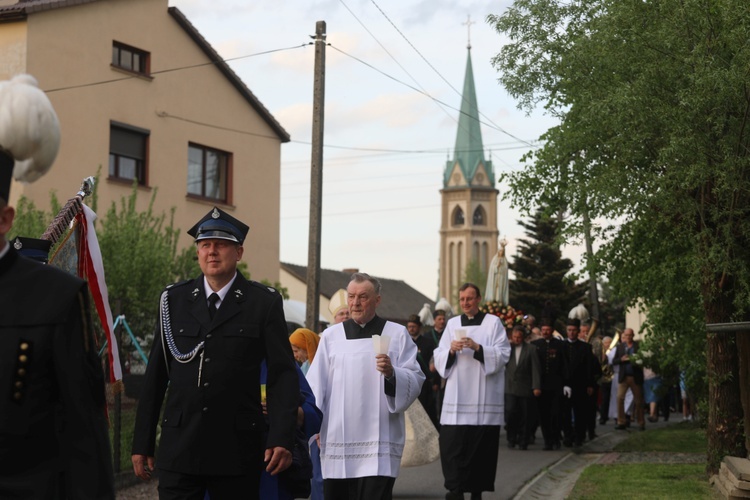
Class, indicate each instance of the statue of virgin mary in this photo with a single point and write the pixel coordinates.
(497, 277)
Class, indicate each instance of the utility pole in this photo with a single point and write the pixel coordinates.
(316, 181)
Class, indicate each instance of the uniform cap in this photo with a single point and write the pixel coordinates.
(219, 225)
(338, 301)
(33, 248)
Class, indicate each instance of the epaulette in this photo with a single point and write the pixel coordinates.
(266, 288)
(175, 285)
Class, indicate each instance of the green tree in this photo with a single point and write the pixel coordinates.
(542, 276)
(653, 106)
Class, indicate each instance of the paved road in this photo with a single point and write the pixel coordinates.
(534, 473)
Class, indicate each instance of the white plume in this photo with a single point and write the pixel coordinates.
(579, 312)
(29, 129)
(425, 316)
(444, 305)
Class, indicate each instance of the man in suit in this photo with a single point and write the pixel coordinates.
(554, 368)
(213, 334)
(630, 377)
(54, 441)
(522, 384)
(581, 376)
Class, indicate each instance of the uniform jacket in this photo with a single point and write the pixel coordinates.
(52, 404)
(212, 422)
(523, 377)
(581, 370)
(553, 364)
(637, 370)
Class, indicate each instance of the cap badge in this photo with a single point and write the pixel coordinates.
(215, 214)
(18, 245)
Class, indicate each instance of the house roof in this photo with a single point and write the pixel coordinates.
(398, 299)
(23, 8)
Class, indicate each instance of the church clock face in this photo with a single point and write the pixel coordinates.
(479, 177)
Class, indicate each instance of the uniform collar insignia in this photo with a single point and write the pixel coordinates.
(238, 292)
(18, 245)
(215, 214)
(195, 292)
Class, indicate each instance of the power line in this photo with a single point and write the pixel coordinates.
(170, 70)
(360, 212)
(437, 72)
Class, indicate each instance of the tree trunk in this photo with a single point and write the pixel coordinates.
(743, 352)
(725, 417)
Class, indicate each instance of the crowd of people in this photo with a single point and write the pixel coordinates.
(242, 409)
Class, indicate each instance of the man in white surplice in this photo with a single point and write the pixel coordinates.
(472, 355)
(363, 396)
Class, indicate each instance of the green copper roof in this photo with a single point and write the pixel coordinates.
(469, 151)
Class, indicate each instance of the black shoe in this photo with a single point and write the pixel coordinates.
(556, 446)
(567, 443)
(454, 495)
(602, 421)
(476, 496)
(642, 427)
(620, 427)
(511, 444)
(523, 447)
(592, 436)
(653, 419)
(547, 447)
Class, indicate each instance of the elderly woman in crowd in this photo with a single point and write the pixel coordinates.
(304, 344)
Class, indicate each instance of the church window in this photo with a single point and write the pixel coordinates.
(480, 217)
(458, 216)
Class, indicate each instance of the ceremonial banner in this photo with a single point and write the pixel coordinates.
(91, 267)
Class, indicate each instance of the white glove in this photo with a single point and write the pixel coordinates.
(567, 392)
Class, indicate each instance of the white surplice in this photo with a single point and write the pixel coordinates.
(474, 391)
(362, 433)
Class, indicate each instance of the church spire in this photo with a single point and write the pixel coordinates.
(469, 150)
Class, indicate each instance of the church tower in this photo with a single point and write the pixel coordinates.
(468, 229)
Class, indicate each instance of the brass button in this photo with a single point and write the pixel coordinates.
(24, 346)
(17, 396)
(23, 358)
(18, 384)
(21, 372)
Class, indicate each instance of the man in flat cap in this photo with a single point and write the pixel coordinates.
(211, 338)
(54, 441)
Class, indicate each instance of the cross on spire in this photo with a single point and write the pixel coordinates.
(468, 24)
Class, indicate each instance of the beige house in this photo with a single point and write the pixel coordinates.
(141, 95)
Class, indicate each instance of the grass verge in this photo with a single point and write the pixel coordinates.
(685, 437)
(652, 481)
(643, 481)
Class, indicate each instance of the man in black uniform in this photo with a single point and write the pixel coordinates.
(582, 381)
(54, 441)
(554, 368)
(425, 346)
(213, 334)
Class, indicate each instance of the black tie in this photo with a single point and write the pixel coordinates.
(212, 300)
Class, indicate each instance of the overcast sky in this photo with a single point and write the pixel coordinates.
(394, 71)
